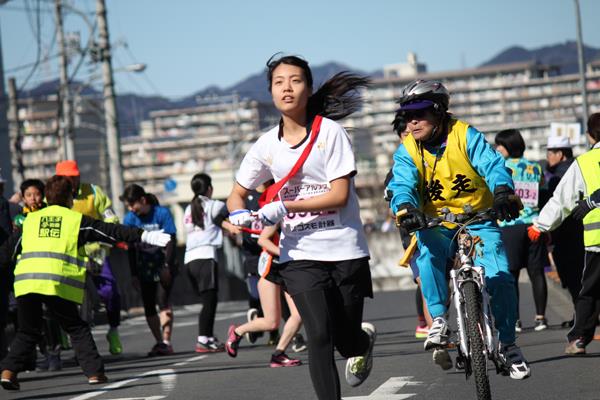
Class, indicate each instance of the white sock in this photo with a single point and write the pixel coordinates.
(203, 339)
(167, 342)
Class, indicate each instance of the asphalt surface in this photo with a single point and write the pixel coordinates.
(402, 370)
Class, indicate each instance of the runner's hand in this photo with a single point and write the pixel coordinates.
(272, 213)
(505, 204)
(156, 238)
(240, 217)
(410, 218)
(534, 233)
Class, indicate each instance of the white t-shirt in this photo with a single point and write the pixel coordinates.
(333, 235)
(201, 243)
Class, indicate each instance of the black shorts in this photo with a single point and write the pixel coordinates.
(203, 274)
(520, 251)
(351, 277)
(274, 275)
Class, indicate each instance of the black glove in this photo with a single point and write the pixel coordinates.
(506, 204)
(584, 206)
(411, 219)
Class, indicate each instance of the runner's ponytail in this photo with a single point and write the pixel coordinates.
(201, 185)
(338, 97)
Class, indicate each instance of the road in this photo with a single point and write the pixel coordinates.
(402, 370)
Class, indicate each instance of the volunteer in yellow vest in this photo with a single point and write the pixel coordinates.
(578, 195)
(445, 162)
(91, 200)
(51, 270)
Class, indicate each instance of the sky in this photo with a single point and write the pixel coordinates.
(189, 44)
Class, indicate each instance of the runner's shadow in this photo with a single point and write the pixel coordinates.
(565, 356)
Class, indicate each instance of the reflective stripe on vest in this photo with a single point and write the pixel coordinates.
(58, 256)
(455, 182)
(50, 262)
(50, 277)
(589, 164)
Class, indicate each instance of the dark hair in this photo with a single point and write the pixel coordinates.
(201, 184)
(566, 151)
(593, 126)
(512, 141)
(27, 183)
(59, 190)
(337, 98)
(135, 192)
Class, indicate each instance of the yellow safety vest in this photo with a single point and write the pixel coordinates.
(454, 183)
(589, 164)
(50, 262)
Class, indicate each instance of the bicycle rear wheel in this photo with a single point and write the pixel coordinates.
(472, 298)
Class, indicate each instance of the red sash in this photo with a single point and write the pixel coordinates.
(272, 192)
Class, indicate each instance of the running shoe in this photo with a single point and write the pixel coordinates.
(114, 342)
(518, 326)
(514, 361)
(9, 380)
(575, 347)
(298, 343)
(421, 332)
(212, 346)
(54, 361)
(358, 368)
(437, 335)
(233, 341)
(251, 315)
(160, 349)
(282, 360)
(442, 358)
(97, 379)
(43, 364)
(540, 324)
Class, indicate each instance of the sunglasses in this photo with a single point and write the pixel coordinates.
(415, 114)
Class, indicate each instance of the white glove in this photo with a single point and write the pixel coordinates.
(156, 238)
(272, 213)
(240, 217)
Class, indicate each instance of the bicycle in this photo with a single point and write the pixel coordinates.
(477, 339)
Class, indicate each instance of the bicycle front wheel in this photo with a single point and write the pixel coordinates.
(477, 355)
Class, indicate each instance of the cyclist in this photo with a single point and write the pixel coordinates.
(445, 163)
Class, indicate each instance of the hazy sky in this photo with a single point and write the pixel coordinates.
(191, 44)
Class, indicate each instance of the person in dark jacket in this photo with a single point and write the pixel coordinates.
(51, 270)
(568, 251)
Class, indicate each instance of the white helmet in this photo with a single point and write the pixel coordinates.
(421, 94)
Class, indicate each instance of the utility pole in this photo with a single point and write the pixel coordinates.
(110, 111)
(582, 81)
(65, 129)
(14, 134)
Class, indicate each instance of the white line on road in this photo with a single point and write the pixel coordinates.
(116, 385)
(389, 390)
(189, 360)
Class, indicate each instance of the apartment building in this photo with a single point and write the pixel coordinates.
(176, 144)
(40, 146)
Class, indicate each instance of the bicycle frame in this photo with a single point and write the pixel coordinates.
(467, 271)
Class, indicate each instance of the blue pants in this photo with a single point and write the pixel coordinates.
(436, 246)
(106, 285)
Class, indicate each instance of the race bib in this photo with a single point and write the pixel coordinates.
(528, 192)
(307, 221)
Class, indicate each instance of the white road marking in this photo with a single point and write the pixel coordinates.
(189, 360)
(160, 373)
(140, 398)
(389, 390)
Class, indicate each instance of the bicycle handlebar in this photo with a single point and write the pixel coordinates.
(488, 214)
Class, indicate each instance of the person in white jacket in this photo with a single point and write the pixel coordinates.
(204, 219)
(578, 194)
